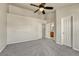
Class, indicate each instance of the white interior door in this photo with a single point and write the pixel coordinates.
(66, 31)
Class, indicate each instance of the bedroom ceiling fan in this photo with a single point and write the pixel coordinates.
(42, 7)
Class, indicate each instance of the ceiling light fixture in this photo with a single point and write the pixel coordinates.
(41, 9)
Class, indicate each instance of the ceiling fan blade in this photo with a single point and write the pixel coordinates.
(43, 12)
(48, 7)
(36, 10)
(43, 4)
(34, 5)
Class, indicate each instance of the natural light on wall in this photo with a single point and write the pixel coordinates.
(52, 25)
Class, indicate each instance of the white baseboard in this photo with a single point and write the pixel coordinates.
(75, 49)
(21, 41)
(2, 48)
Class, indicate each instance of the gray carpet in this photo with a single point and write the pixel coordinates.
(41, 47)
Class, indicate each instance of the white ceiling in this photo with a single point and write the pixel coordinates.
(28, 6)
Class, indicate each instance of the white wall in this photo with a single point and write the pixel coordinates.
(21, 28)
(3, 26)
(24, 12)
(47, 33)
(76, 32)
(64, 12)
(49, 17)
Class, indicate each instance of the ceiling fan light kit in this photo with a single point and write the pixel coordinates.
(41, 9)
